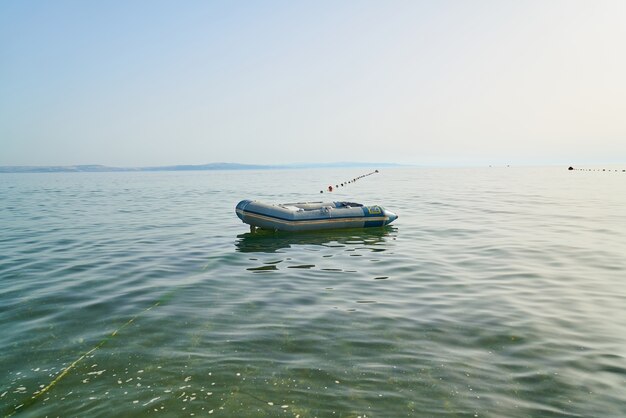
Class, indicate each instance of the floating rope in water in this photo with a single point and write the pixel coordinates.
(345, 183)
(163, 299)
(69, 368)
(595, 169)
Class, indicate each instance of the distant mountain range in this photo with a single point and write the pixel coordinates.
(201, 167)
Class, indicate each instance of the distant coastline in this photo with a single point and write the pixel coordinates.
(94, 168)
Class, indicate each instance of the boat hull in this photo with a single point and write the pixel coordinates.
(312, 216)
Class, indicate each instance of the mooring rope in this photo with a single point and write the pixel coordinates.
(330, 188)
(33, 399)
(72, 365)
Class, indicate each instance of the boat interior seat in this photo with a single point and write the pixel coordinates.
(291, 208)
(348, 205)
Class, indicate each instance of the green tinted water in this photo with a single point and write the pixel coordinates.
(498, 292)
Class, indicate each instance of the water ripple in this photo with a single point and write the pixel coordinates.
(496, 293)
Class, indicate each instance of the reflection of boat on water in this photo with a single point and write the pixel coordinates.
(296, 217)
(271, 242)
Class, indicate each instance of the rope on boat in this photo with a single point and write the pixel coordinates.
(345, 183)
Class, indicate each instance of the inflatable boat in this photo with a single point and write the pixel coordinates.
(312, 215)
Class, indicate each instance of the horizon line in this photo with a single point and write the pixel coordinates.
(216, 166)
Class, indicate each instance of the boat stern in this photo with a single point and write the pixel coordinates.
(390, 217)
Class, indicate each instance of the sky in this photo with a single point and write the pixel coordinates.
(142, 83)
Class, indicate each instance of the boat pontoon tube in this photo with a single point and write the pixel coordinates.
(312, 215)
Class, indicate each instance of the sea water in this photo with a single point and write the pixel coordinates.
(498, 292)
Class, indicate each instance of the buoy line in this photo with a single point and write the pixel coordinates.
(345, 183)
(596, 169)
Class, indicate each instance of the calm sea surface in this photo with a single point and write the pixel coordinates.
(499, 292)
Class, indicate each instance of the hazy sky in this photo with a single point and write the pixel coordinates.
(133, 83)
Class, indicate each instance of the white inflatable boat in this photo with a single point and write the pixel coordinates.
(312, 215)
